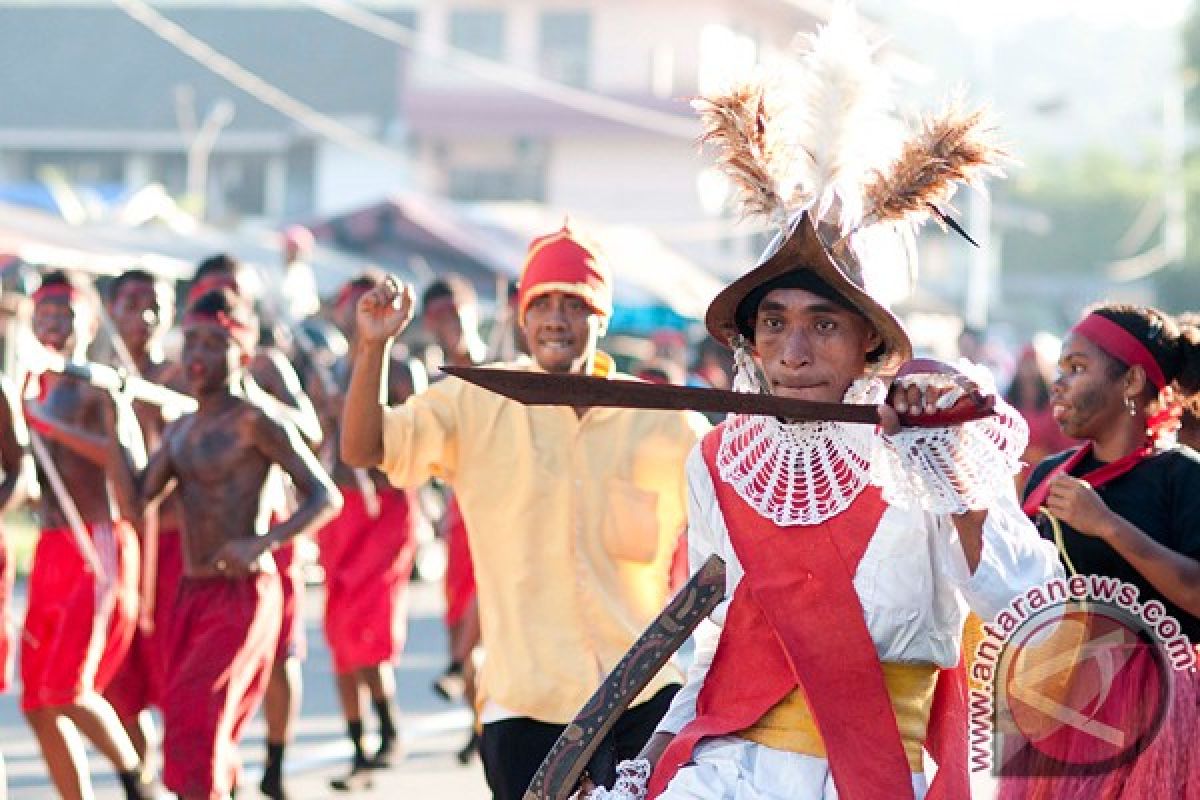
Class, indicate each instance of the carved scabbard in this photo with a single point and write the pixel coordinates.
(559, 773)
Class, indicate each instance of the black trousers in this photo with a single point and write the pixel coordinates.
(513, 749)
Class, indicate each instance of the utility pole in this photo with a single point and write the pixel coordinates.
(200, 141)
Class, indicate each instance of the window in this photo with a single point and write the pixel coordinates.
(516, 176)
(479, 31)
(496, 185)
(77, 168)
(565, 50)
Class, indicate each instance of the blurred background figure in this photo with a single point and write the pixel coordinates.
(712, 365)
(1029, 393)
(450, 315)
(671, 347)
(660, 370)
(298, 298)
(979, 347)
(1189, 423)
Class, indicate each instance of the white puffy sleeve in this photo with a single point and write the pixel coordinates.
(703, 541)
(952, 469)
(1014, 559)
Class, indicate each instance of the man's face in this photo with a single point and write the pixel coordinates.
(444, 322)
(810, 347)
(63, 326)
(138, 312)
(211, 356)
(562, 331)
(1085, 398)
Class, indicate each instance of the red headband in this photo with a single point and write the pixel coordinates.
(57, 290)
(1121, 345)
(242, 333)
(211, 283)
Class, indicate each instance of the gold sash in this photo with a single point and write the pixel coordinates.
(790, 726)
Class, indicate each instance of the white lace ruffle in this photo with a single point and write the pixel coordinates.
(953, 469)
(632, 779)
(807, 473)
(803, 473)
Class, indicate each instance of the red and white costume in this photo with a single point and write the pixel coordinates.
(897, 591)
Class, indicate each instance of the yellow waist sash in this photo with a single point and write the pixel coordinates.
(790, 726)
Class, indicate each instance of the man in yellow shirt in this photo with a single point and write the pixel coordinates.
(572, 514)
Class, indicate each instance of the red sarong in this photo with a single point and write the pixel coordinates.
(6, 629)
(1055, 766)
(460, 573)
(367, 565)
(221, 641)
(291, 642)
(139, 682)
(77, 628)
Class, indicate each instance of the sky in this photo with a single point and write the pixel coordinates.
(1065, 76)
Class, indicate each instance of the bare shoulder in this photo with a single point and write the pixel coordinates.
(178, 427)
(92, 402)
(258, 422)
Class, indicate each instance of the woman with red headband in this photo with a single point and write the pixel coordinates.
(1124, 505)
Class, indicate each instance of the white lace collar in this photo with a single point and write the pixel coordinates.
(802, 473)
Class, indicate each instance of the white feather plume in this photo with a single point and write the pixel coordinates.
(837, 107)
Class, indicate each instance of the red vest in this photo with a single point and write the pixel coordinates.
(796, 620)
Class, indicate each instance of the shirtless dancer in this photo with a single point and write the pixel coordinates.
(81, 615)
(271, 378)
(367, 554)
(18, 483)
(141, 307)
(225, 620)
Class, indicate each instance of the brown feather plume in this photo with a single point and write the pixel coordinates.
(951, 147)
(739, 125)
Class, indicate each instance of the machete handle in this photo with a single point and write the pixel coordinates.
(972, 406)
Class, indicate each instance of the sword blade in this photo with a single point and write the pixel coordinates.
(105, 377)
(582, 391)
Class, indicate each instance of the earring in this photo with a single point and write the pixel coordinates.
(1130, 407)
(747, 377)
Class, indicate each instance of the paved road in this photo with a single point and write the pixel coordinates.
(433, 730)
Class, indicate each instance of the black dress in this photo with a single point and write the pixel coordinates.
(1161, 496)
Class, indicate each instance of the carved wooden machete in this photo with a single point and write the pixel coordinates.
(582, 391)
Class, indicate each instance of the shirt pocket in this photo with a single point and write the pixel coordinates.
(631, 522)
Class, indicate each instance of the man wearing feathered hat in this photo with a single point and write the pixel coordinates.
(572, 515)
(851, 554)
